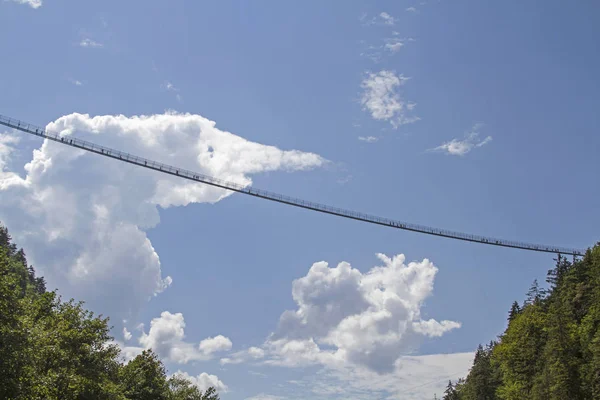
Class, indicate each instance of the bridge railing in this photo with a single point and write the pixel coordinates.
(158, 166)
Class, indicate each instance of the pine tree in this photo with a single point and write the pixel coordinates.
(450, 393)
(534, 294)
(514, 311)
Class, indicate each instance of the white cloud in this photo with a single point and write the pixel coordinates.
(30, 3)
(460, 147)
(264, 396)
(381, 99)
(89, 43)
(387, 18)
(7, 178)
(393, 45)
(83, 217)
(382, 19)
(215, 344)
(256, 352)
(75, 82)
(414, 377)
(126, 334)
(345, 317)
(170, 87)
(411, 9)
(253, 353)
(204, 381)
(166, 338)
(361, 328)
(368, 139)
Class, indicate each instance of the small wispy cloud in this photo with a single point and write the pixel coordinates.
(264, 396)
(390, 45)
(344, 180)
(411, 9)
(387, 18)
(460, 147)
(368, 139)
(30, 3)
(381, 98)
(394, 44)
(89, 43)
(75, 82)
(383, 18)
(171, 88)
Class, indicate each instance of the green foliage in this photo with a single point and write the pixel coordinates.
(144, 378)
(450, 393)
(50, 349)
(551, 347)
(182, 389)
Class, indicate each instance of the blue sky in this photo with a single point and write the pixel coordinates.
(424, 84)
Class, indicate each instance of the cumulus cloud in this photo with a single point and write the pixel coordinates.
(83, 218)
(126, 334)
(166, 337)
(86, 42)
(362, 328)
(30, 3)
(215, 344)
(204, 381)
(460, 147)
(345, 317)
(75, 82)
(381, 98)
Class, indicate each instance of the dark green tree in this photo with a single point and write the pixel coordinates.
(482, 381)
(50, 349)
(144, 378)
(514, 311)
(13, 337)
(182, 389)
(210, 394)
(450, 393)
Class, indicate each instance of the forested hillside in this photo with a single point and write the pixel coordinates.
(51, 349)
(551, 347)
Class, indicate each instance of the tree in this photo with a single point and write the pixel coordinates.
(210, 394)
(534, 294)
(482, 381)
(144, 378)
(450, 393)
(514, 311)
(69, 354)
(51, 349)
(13, 336)
(182, 389)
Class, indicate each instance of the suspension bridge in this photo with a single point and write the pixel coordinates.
(263, 194)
